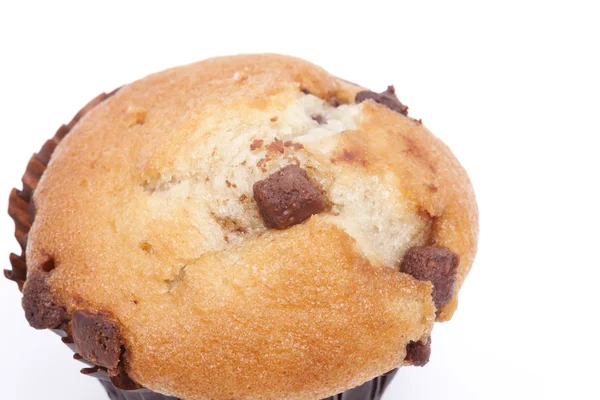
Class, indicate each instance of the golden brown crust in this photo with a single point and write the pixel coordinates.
(429, 175)
(297, 314)
(21, 206)
(321, 322)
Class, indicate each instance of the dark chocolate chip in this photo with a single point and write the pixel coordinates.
(97, 338)
(287, 197)
(387, 98)
(418, 353)
(435, 264)
(41, 311)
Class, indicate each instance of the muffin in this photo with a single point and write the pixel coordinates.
(245, 227)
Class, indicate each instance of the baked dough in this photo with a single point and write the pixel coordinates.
(148, 214)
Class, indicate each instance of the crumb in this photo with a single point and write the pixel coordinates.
(295, 160)
(240, 76)
(277, 145)
(146, 247)
(135, 116)
(261, 164)
(351, 156)
(295, 146)
(256, 144)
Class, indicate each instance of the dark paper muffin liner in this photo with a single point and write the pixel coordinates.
(21, 209)
(372, 390)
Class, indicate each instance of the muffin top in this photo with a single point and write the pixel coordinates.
(248, 227)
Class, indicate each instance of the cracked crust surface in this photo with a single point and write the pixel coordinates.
(147, 209)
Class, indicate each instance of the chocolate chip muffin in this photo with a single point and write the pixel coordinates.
(246, 227)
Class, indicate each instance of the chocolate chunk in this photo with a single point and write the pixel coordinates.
(418, 353)
(41, 311)
(287, 197)
(334, 102)
(97, 338)
(122, 380)
(435, 264)
(319, 118)
(387, 98)
(119, 379)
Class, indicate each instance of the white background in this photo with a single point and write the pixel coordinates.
(512, 87)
